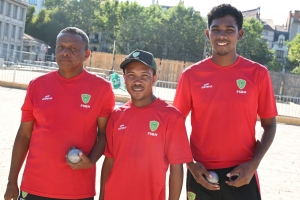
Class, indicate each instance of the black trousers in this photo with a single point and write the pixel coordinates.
(27, 196)
(196, 191)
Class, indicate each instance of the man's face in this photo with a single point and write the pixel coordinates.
(70, 51)
(223, 35)
(139, 80)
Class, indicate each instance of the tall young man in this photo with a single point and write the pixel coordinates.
(144, 137)
(64, 108)
(225, 93)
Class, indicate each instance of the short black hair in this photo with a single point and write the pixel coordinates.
(75, 30)
(222, 10)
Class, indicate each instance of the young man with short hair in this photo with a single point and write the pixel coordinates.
(144, 137)
(225, 93)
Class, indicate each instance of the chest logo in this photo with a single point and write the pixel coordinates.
(85, 98)
(154, 125)
(241, 83)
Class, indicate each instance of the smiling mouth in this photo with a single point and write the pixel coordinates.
(137, 89)
(222, 44)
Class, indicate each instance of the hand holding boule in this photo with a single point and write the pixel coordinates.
(214, 179)
(73, 155)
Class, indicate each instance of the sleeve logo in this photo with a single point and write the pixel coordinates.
(85, 98)
(154, 125)
(241, 83)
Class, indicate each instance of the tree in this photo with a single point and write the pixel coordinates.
(294, 53)
(252, 45)
(29, 16)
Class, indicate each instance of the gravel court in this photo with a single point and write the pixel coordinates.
(279, 171)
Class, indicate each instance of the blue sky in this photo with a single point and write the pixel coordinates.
(277, 10)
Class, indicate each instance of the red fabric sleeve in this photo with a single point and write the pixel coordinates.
(177, 145)
(27, 108)
(108, 103)
(266, 98)
(109, 138)
(183, 98)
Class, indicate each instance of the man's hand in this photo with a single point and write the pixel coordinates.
(197, 170)
(244, 174)
(85, 162)
(12, 191)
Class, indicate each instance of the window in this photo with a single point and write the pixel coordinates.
(4, 51)
(279, 54)
(1, 6)
(8, 9)
(280, 43)
(33, 2)
(0, 28)
(6, 29)
(265, 32)
(12, 48)
(13, 31)
(21, 13)
(20, 32)
(15, 11)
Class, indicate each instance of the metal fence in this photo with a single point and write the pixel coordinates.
(22, 73)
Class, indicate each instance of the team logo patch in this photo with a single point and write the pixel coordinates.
(24, 194)
(241, 83)
(154, 125)
(136, 54)
(191, 196)
(85, 98)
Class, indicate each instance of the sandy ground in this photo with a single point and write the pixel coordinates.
(279, 171)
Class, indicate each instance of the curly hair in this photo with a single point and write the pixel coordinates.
(74, 30)
(222, 10)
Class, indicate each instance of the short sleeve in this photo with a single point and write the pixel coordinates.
(266, 98)
(183, 99)
(177, 145)
(108, 102)
(27, 107)
(109, 138)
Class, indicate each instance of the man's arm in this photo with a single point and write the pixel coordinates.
(106, 167)
(246, 170)
(175, 181)
(97, 149)
(20, 149)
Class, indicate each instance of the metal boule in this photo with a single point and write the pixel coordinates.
(73, 155)
(214, 179)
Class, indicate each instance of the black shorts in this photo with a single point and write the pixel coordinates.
(196, 191)
(27, 196)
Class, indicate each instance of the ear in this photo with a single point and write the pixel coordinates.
(207, 33)
(241, 34)
(87, 54)
(155, 77)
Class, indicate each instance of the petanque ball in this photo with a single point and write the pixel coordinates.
(214, 179)
(73, 155)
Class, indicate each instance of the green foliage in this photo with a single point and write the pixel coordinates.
(252, 45)
(296, 70)
(275, 66)
(294, 53)
(29, 16)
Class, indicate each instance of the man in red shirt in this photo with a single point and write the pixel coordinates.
(144, 137)
(225, 93)
(64, 108)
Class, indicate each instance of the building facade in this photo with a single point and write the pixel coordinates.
(33, 49)
(12, 25)
(293, 24)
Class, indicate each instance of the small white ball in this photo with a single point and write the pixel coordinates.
(214, 179)
(73, 155)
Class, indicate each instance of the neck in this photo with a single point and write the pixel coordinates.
(224, 61)
(143, 102)
(69, 74)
